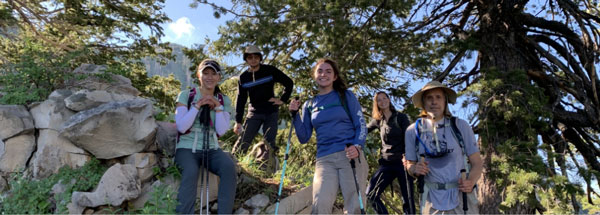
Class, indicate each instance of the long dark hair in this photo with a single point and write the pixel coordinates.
(377, 113)
(214, 62)
(339, 84)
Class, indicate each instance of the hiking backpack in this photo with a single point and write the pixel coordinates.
(456, 133)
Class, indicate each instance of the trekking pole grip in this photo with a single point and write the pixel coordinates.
(293, 113)
(352, 164)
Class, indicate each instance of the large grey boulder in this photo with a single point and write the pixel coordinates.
(51, 114)
(15, 120)
(144, 162)
(3, 184)
(87, 99)
(15, 152)
(119, 183)
(97, 79)
(166, 137)
(293, 203)
(114, 129)
(54, 152)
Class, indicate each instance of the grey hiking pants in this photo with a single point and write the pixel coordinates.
(190, 164)
(334, 172)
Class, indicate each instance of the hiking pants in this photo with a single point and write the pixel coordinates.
(190, 164)
(384, 176)
(471, 201)
(333, 171)
(250, 129)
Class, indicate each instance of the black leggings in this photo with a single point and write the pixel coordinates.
(384, 176)
(250, 129)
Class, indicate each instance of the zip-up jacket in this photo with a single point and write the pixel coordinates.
(259, 87)
(392, 135)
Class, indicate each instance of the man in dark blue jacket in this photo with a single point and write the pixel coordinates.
(257, 82)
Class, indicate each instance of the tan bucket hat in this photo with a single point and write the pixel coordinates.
(252, 49)
(417, 98)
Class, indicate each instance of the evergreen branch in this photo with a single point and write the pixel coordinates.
(363, 25)
(442, 16)
(562, 51)
(33, 27)
(577, 79)
(451, 66)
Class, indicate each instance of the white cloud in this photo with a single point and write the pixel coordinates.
(182, 26)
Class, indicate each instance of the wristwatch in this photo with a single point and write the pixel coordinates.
(220, 108)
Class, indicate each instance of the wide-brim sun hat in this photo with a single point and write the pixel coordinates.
(252, 49)
(417, 98)
(210, 64)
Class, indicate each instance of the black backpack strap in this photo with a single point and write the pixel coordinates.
(461, 142)
(345, 105)
(457, 134)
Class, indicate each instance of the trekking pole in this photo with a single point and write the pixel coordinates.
(410, 193)
(204, 120)
(285, 159)
(352, 164)
(206, 147)
(463, 174)
(201, 117)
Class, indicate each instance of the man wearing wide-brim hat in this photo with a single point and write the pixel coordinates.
(441, 145)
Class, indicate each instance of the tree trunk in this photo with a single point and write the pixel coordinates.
(500, 55)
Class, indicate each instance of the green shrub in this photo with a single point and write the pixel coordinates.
(163, 200)
(33, 196)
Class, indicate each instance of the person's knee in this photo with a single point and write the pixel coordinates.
(227, 169)
(371, 196)
(189, 172)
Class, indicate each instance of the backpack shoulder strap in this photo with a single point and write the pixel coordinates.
(344, 103)
(417, 133)
(397, 120)
(191, 97)
(189, 105)
(457, 134)
(220, 97)
(461, 142)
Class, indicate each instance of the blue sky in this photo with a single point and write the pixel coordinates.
(190, 25)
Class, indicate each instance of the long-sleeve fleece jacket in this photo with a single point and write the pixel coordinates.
(259, 87)
(332, 124)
